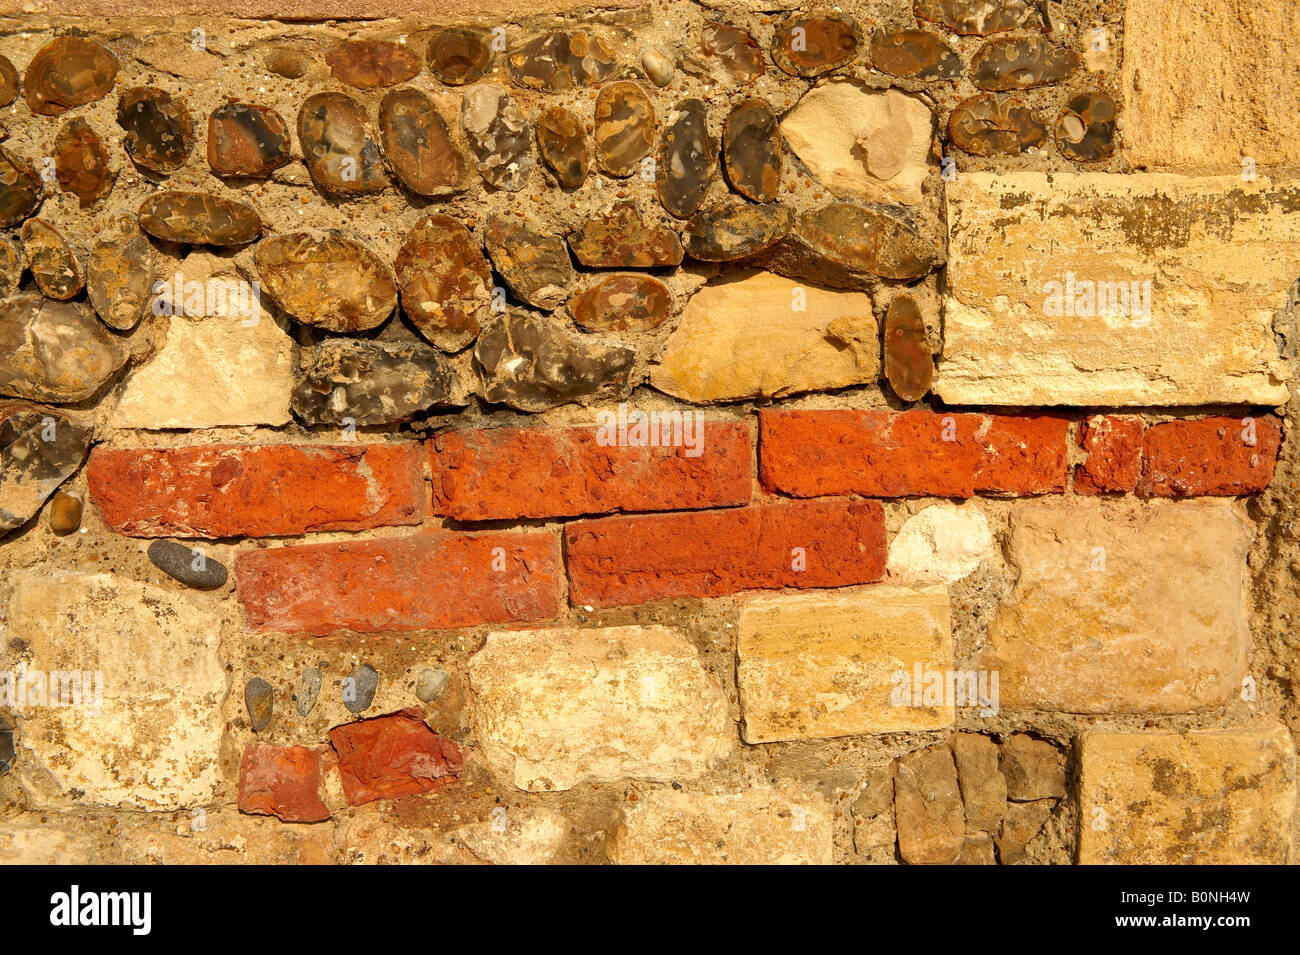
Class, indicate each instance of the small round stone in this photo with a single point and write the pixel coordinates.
(68, 72)
(259, 698)
(308, 690)
(65, 513)
(430, 684)
(288, 62)
(458, 55)
(658, 67)
(359, 688)
(190, 565)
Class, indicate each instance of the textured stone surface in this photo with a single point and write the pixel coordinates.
(1220, 254)
(813, 44)
(624, 127)
(55, 351)
(21, 190)
(392, 756)
(499, 136)
(418, 145)
(760, 826)
(534, 263)
(372, 383)
(845, 245)
(39, 450)
(81, 163)
(1212, 456)
(68, 72)
(915, 54)
(978, 17)
(927, 807)
(444, 281)
(754, 334)
(943, 542)
(1217, 796)
(554, 708)
(620, 303)
(366, 64)
(816, 667)
(995, 124)
(622, 238)
(688, 159)
(751, 147)
(1157, 609)
(338, 146)
(54, 265)
(199, 218)
(245, 139)
(1112, 445)
(120, 273)
(1033, 769)
(909, 366)
(326, 280)
(158, 128)
(282, 781)
(1020, 63)
(983, 787)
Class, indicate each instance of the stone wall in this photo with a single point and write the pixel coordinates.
(659, 432)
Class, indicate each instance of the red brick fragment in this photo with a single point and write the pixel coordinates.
(394, 755)
(256, 490)
(911, 453)
(282, 781)
(1113, 445)
(427, 581)
(1220, 456)
(509, 473)
(628, 560)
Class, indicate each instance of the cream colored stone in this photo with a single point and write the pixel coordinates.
(745, 336)
(861, 143)
(758, 826)
(153, 742)
(941, 543)
(1220, 255)
(1211, 82)
(1205, 797)
(1137, 609)
(516, 836)
(928, 807)
(553, 708)
(816, 666)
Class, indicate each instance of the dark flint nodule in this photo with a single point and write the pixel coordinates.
(418, 145)
(192, 566)
(816, 44)
(560, 61)
(371, 383)
(726, 55)
(21, 190)
(367, 64)
(39, 450)
(8, 81)
(625, 121)
(159, 130)
(341, 156)
(915, 54)
(1085, 131)
(621, 238)
(1020, 63)
(751, 143)
(197, 218)
(735, 231)
(620, 303)
(909, 366)
(458, 56)
(247, 140)
(974, 17)
(68, 72)
(688, 161)
(498, 134)
(53, 263)
(562, 141)
(326, 280)
(81, 163)
(359, 688)
(259, 699)
(444, 281)
(57, 352)
(534, 264)
(995, 124)
(120, 273)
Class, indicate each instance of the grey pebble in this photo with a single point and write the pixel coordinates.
(260, 700)
(308, 690)
(190, 565)
(359, 688)
(430, 684)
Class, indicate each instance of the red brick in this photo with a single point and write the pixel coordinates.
(508, 473)
(391, 756)
(1210, 456)
(428, 581)
(627, 560)
(900, 454)
(1113, 445)
(256, 490)
(282, 781)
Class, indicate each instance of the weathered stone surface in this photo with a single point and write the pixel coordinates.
(259, 697)
(534, 264)
(1024, 821)
(68, 72)
(288, 62)
(523, 837)
(915, 54)
(153, 742)
(197, 218)
(983, 788)
(909, 366)
(943, 542)
(1156, 596)
(337, 147)
(444, 280)
(392, 756)
(247, 140)
(811, 666)
(359, 688)
(120, 273)
(1246, 109)
(53, 264)
(843, 245)
(1085, 131)
(746, 336)
(751, 143)
(863, 143)
(458, 55)
(555, 708)
(367, 64)
(195, 568)
(562, 142)
(1021, 63)
(978, 17)
(418, 145)
(532, 364)
(659, 67)
(810, 45)
(498, 134)
(621, 238)
(326, 280)
(7, 752)
(735, 231)
(1220, 254)
(65, 513)
(1112, 445)
(620, 303)
(282, 781)
(430, 684)
(372, 383)
(308, 690)
(977, 849)
(39, 450)
(559, 61)
(688, 159)
(21, 190)
(11, 266)
(1223, 456)
(1033, 769)
(55, 351)
(8, 81)
(760, 826)
(928, 807)
(726, 55)
(625, 127)
(1205, 797)
(159, 131)
(995, 124)
(81, 163)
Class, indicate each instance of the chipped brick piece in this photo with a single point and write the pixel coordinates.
(282, 781)
(256, 490)
(391, 756)
(506, 473)
(629, 560)
(427, 581)
(1113, 444)
(1214, 456)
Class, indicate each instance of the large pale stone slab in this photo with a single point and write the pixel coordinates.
(758, 335)
(759, 826)
(816, 666)
(553, 708)
(153, 742)
(1211, 81)
(1221, 796)
(1135, 609)
(1219, 254)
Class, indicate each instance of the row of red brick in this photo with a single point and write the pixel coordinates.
(521, 473)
